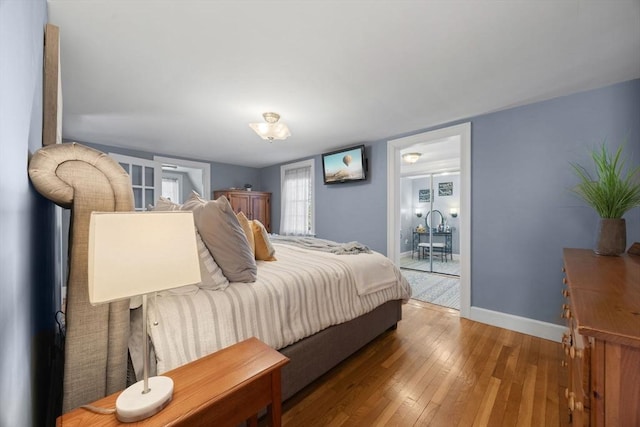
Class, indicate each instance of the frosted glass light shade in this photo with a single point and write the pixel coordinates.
(136, 253)
(271, 129)
(411, 157)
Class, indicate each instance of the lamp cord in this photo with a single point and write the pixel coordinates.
(98, 410)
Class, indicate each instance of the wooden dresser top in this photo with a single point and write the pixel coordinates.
(605, 295)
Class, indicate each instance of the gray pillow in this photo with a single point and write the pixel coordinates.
(210, 273)
(224, 237)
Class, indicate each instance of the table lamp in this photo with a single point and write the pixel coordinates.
(137, 253)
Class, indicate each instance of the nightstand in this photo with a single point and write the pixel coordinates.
(222, 389)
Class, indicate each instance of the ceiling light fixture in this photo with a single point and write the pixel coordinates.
(411, 157)
(272, 129)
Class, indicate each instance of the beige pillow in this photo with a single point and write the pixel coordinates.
(164, 204)
(192, 202)
(248, 230)
(264, 250)
(224, 237)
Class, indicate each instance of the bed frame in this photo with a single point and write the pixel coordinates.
(84, 180)
(317, 354)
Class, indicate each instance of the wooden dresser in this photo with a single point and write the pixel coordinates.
(254, 204)
(602, 345)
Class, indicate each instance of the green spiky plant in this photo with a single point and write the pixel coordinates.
(610, 192)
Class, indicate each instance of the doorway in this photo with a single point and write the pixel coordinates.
(179, 177)
(430, 235)
(151, 179)
(395, 234)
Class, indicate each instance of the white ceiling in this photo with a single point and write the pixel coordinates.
(436, 156)
(185, 77)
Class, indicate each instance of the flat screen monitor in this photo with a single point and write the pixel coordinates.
(346, 165)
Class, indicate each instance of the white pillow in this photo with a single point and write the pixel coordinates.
(210, 272)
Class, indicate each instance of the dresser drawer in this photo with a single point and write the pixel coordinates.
(577, 360)
(580, 359)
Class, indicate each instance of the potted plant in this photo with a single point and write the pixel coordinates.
(611, 193)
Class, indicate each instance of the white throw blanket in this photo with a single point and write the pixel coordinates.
(313, 243)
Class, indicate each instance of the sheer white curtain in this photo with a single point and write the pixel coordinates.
(171, 189)
(297, 199)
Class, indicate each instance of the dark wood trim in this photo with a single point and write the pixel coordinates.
(51, 96)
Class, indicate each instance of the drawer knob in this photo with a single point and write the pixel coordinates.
(563, 363)
(573, 353)
(565, 293)
(573, 404)
(564, 280)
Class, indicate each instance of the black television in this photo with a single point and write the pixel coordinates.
(345, 165)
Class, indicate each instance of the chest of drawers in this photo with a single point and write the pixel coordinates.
(602, 343)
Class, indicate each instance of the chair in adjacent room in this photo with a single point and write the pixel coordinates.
(437, 249)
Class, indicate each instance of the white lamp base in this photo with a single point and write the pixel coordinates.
(133, 405)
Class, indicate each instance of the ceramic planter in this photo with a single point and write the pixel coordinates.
(611, 237)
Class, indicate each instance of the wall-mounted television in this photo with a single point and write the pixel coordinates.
(346, 165)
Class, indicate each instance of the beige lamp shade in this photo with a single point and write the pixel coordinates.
(136, 253)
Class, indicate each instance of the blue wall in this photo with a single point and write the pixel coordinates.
(28, 291)
(522, 212)
(344, 212)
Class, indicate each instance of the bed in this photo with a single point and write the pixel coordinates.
(352, 306)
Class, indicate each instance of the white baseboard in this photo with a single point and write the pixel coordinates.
(524, 325)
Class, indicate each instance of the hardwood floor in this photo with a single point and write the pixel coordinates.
(437, 369)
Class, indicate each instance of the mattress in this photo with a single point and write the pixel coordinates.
(300, 294)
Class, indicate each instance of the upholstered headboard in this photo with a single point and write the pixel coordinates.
(84, 180)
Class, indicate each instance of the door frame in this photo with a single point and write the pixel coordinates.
(394, 147)
(204, 167)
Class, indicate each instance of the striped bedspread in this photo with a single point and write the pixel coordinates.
(295, 297)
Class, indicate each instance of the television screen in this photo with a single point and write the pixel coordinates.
(344, 165)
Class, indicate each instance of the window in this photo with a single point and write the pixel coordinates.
(143, 174)
(297, 216)
(171, 188)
